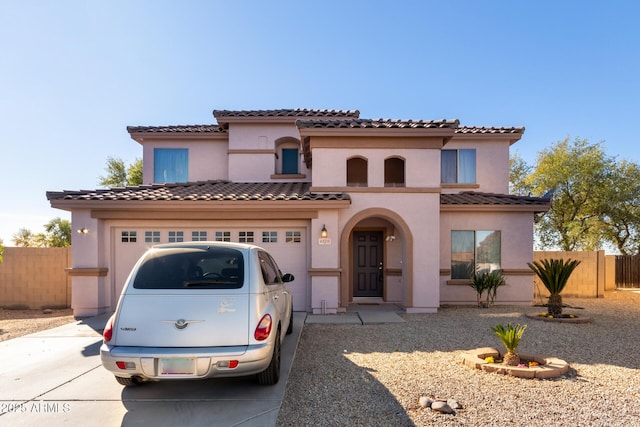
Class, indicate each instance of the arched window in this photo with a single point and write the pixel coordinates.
(287, 156)
(357, 172)
(394, 172)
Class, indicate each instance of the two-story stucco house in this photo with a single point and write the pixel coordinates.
(394, 211)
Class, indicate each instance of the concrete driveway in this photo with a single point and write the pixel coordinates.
(55, 377)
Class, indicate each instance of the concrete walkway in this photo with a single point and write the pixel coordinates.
(361, 315)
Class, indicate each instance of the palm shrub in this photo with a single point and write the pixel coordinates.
(487, 282)
(510, 337)
(554, 275)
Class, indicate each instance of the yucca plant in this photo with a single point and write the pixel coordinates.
(510, 337)
(554, 275)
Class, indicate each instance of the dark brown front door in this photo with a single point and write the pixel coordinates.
(367, 262)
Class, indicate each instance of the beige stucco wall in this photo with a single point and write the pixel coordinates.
(252, 151)
(35, 278)
(517, 249)
(492, 163)
(207, 158)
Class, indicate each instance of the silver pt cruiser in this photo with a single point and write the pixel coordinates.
(199, 310)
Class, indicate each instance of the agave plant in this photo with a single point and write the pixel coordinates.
(554, 275)
(510, 337)
(489, 282)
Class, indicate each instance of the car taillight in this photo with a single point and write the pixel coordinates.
(107, 334)
(263, 329)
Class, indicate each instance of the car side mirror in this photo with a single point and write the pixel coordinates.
(288, 278)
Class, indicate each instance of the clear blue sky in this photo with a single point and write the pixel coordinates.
(74, 74)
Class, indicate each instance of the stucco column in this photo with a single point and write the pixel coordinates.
(325, 258)
(89, 293)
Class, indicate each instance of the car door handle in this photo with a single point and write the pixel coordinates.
(276, 296)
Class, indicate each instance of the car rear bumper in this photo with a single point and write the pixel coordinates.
(158, 363)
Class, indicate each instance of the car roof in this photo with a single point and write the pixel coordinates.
(206, 245)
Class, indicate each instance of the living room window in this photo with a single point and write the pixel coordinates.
(394, 172)
(474, 251)
(357, 172)
(458, 166)
(170, 165)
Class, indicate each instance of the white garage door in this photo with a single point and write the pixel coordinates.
(288, 245)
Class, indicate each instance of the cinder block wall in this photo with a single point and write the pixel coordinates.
(588, 280)
(35, 278)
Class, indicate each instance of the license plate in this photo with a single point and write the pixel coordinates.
(177, 366)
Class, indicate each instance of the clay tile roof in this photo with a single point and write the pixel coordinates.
(203, 191)
(489, 130)
(178, 129)
(376, 124)
(289, 112)
(474, 198)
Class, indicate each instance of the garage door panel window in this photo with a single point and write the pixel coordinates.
(176, 236)
(129, 236)
(199, 236)
(245, 237)
(223, 236)
(269, 237)
(292, 237)
(152, 237)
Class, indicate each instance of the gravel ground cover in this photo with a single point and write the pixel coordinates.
(16, 323)
(374, 375)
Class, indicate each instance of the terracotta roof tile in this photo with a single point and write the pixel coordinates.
(178, 129)
(485, 130)
(474, 198)
(376, 124)
(203, 191)
(288, 112)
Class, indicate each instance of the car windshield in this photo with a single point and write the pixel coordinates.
(189, 268)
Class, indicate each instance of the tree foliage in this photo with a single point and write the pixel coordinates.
(121, 175)
(57, 235)
(596, 199)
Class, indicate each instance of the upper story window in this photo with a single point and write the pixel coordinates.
(394, 172)
(287, 156)
(357, 172)
(458, 166)
(170, 165)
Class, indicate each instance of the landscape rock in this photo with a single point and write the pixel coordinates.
(425, 401)
(441, 406)
(453, 403)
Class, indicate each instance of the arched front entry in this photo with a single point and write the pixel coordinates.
(382, 234)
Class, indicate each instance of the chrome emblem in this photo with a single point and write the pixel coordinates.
(181, 323)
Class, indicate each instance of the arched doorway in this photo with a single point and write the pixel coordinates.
(376, 258)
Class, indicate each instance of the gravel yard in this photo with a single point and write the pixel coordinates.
(16, 323)
(374, 375)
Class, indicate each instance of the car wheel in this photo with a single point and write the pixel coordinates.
(271, 375)
(128, 382)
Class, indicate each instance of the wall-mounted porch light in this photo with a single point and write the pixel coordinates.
(324, 233)
(83, 230)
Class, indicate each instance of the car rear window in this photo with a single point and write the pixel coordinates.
(211, 268)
